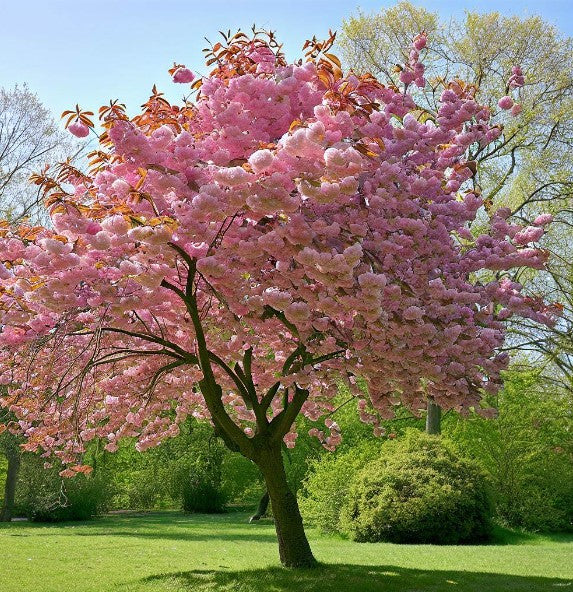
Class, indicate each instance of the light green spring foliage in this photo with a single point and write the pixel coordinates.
(325, 491)
(418, 490)
(527, 452)
(412, 489)
(530, 169)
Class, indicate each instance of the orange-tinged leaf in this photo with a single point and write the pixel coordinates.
(334, 59)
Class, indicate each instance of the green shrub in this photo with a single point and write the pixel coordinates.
(241, 481)
(419, 491)
(184, 471)
(43, 496)
(199, 481)
(326, 487)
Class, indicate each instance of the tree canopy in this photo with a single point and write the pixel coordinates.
(230, 258)
(530, 170)
(29, 139)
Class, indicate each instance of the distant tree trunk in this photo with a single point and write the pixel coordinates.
(294, 549)
(433, 418)
(261, 508)
(10, 488)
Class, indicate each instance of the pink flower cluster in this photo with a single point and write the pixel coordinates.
(414, 69)
(324, 241)
(516, 80)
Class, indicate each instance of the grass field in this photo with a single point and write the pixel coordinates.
(172, 552)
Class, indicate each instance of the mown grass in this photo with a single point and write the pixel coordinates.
(171, 552)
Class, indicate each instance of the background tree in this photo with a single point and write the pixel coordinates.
(29, 139)
(530, 170)
(527, 451)
(10, 449)
(232, 258)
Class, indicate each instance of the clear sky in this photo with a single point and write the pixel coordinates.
(87, 52)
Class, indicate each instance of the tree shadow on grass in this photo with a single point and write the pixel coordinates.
(185, 536)
(351, 578)
(154, 526)
(507, 536)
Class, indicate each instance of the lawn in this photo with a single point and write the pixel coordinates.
(173, 552)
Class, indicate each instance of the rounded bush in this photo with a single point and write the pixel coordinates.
(419, 491)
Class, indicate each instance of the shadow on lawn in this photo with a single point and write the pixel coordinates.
(506, 536)
(353, 578)
(154, 526)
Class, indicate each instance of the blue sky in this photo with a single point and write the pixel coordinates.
(82, 52)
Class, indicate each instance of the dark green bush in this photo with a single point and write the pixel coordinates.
(419, 491)
(199, 481)
(43, 496)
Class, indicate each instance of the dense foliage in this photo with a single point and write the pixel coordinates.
(231, 258)
(527, 452)
(418, 491)
(44, 496)
(325, 490)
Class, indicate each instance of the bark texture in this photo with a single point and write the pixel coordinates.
(433, 418)
(294, 549)
(10, 487)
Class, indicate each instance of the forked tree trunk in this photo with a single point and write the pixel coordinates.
(10, 487)
(294, 550)
(433, 418)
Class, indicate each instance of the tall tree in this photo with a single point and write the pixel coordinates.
(10, 448)
(29, 139)
(530, 170)
(232, 257)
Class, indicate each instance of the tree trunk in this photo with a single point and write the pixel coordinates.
(433, 418)
(294, 550)
(261, 508)
(10, 487)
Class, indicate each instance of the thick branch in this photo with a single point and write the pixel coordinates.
(282, 423)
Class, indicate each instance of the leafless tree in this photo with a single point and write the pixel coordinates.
(29, 139)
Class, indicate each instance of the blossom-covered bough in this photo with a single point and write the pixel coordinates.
(235, 257)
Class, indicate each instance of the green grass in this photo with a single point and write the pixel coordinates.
(170, 552)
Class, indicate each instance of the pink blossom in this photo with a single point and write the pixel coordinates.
(420, 41)
(93, 228)
(543, 219)
(516, 79)
(211, 267)
(261, 160)
(183, 76)
(79, 129)
(505, 103)
(297, 312)
(516, 110)
(528, 235)
(413, 313)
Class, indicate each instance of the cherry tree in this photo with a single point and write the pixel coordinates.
(234, 257)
